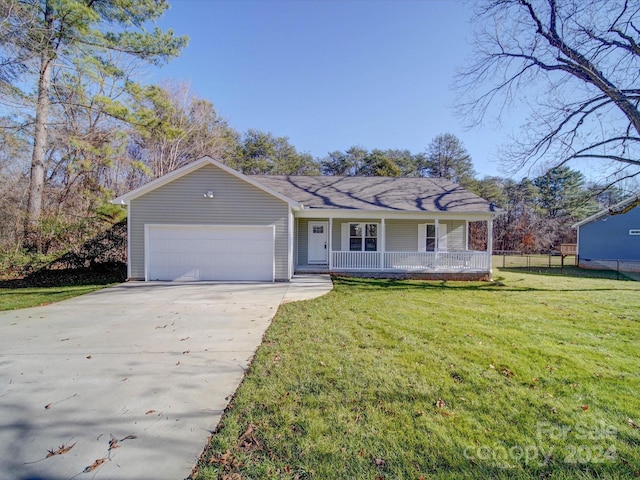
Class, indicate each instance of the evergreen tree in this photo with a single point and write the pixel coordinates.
(447, 158)
(62, 36)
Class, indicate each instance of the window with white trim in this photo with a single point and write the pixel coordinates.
(363, 237)
(427, 237)
(430, 238)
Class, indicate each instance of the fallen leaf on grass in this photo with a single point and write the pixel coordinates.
(584, 407)
(95, 465)
(227, 459)
(632, 424)
(61, 450)
(507, 372)
(440, 403)
(379, 462)
(248, 441)
(232, 476)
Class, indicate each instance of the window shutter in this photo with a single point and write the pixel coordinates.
(422, 237)
(344, 238)
(442, 237)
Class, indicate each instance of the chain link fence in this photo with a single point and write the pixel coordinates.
(555, 264)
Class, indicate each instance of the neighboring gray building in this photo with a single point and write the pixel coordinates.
(206, 221)
(611, 237)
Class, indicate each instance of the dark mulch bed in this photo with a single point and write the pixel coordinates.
(100, 274)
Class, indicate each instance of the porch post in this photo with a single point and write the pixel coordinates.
(436, 263)
(330, 242)
(490, 245)
(383, 239)
(466, 235)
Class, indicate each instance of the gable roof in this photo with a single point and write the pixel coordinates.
(614, 210)
(191, 167)
(401, 194)
(407, 194)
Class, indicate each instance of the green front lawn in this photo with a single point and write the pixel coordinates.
(12, 298)
(536, 377)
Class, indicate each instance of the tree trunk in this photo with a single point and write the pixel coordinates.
(36, 182)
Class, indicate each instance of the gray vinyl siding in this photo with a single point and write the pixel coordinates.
(402, 235)
(182, 201)
(456, 235)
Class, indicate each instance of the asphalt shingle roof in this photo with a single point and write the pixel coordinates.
(410, 194)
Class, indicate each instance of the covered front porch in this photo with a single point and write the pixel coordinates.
(396, 244)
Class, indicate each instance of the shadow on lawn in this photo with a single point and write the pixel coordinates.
(496, 286)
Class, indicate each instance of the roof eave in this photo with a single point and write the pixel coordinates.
(606, 211)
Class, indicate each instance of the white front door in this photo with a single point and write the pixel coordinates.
(318, 248)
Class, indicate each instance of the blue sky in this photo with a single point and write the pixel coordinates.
(332, 74)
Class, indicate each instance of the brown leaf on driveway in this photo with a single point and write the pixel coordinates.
(61, 450)
(113, 443)
(48, 406)
(149, 412)
(95, 465)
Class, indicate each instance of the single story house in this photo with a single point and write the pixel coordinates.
(206, 221)
(610, 239)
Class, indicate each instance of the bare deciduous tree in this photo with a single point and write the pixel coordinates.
(576, 65)
(184, 128)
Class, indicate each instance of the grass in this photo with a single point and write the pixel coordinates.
(13, 298)
(533, 377)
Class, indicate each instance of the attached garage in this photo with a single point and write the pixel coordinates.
(209, 252)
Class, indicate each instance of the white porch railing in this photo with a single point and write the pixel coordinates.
(355, 260)
(412, 261)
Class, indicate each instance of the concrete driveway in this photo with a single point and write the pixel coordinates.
(128, 382)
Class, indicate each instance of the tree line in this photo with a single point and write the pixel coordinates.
(77, 126)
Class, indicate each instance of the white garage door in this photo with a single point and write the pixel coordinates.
(193, 252)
